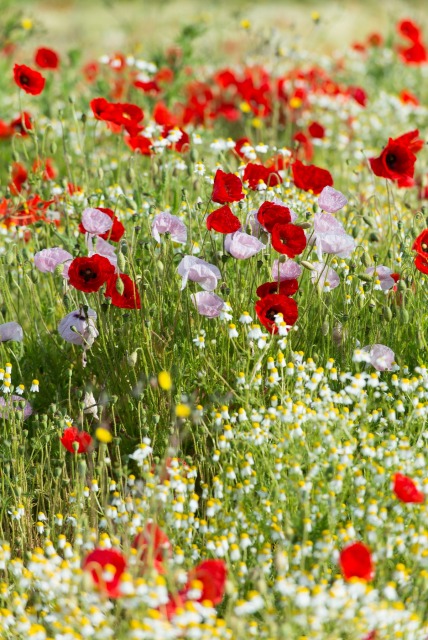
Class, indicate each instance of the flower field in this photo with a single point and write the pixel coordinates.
(213, 338)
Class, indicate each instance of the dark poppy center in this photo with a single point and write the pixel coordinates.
(270, 315)
(391, 160)
(87, 274)
(25, 80)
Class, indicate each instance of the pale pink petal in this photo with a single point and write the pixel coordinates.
(340, 245)
(47, 260)
(79, 327)
(96, 222)
(208, 304)
(288, 270)
(241, 245)
(105, 249)
(384, 275)
(11, 331)
(14, 403)
(165, 222)
(323, 275)
(326, 223)
(381, 357)
(331, 200)
(197, 270)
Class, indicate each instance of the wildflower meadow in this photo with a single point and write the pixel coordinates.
(213, 336)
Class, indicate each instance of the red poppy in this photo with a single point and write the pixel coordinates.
(420, 245)
(33, 210)
(91, 71)
(163, 116)
(269, 306)
(375, 39)
(415, 54)
(255, 174)
(115, 233)
(19, 177)
(100, 108)
(284, 287)
(140, 143)
(421, 263)
(22, 124)
(397, 160)
(5, 130)
(407, 97)
(410, 30)
(310, 177)
(106, 567)
(406, 490)
(46, 58)
(223, 220)
(288, 239)
(227, 188)
(242, 142)
(183, 143)
(316, 130)
(271, 214)
(30, 80)
(358, 94)
(71, 436)
(153, 545)
(212, 574)
(125, 114)
(45, 167)
(129, 298)
(305, 145)
(356, 562)
(89, 274)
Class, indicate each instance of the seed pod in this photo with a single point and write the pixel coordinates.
(325, 327)
(121, 261)
(366, 260)
(404, 315)
(387, 314)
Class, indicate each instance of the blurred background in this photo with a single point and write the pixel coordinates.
(139, 26)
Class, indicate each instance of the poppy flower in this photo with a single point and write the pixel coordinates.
(71, 436)
(331, 200)
(255, 174)
(330, 236)
(242, 245)
(212, 574)
(114, 231)
(208, 304)
(30, 80)
(288, 239)
(380, 356)
(45, 167)
(305, 145)
(269, 306)
(284, 287)
(78, 327)
(106, 567)
(310, 177)
(406, 490)
(153, 545)
(22, 124)
(324, 276)
(227, 188)
(46, 58)
(140, 143)
(89, 274)
(223, 220)
(271, 214)
(356, 562)
(47, 260)
(129, 298)
(197, 270)
(163, 116)
(288, 270)
(410, 30)
(100, 108)
(19, 177)
(397, 160)
(165, 222)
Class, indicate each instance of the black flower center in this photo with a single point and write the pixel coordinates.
(87, 274)
(391, 160)
(270, 315)
(25, 80)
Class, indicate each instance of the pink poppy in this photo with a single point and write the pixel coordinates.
(331, 200)
(13, 403)
(79, 327)
(331, 237)
(106, 250)
(96, 222)
(165, 222)
(384, 274)
(47, 260)
(241, 245)
(11, 331)
(208, 304)
(381, 357)
(288, 270)
(197, 270)
(323, 275)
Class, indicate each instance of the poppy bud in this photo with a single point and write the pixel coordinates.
(121, 263)
(369, 221)
(130, 175)
(34, 275)
(325, 327)
(365, 277)
(387, 314)
(307, 265)
(304, 225)
(421, 341)
(160, 266)
(365, 259)
(53, 148)
(401, 286)
(100, 173)
(404, 315)
(132, 359)
(83, 118)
